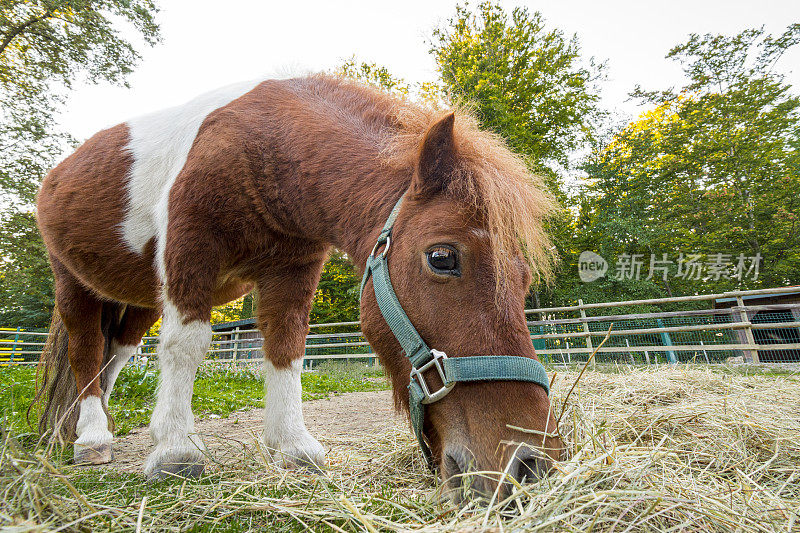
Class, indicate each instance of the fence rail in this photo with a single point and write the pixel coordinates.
(680, 329)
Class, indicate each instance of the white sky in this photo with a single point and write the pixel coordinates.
(210, 44)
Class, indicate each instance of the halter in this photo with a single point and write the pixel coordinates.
(451, 369)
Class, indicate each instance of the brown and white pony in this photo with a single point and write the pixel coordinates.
(189, 207)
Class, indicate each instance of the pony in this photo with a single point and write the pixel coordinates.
(250, 186)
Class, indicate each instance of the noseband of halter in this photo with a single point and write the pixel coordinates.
(451, 369)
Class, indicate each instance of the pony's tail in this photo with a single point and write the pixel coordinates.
(56, 390)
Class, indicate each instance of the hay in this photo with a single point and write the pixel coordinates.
(683, 448)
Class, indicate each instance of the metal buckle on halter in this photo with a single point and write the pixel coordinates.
(438, 357)
(388, 241)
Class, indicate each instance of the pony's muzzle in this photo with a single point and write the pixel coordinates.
(463, 478)
(458, 471)
(529, 465)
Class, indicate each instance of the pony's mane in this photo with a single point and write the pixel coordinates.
(493, 180)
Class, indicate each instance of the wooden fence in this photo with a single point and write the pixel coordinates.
(682, 329)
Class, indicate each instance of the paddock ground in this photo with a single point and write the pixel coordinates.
(334, 421)
(668, 449)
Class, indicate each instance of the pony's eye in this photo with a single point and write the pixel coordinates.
(443, 260)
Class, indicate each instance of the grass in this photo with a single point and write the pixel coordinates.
(667, 449)
(219, 390)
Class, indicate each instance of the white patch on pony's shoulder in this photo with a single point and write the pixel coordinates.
(160, 143)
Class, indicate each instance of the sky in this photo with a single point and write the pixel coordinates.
(211, 44)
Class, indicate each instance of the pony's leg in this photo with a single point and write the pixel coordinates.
(185, 338)
(283, 315)
(135, 323)
(81, 312)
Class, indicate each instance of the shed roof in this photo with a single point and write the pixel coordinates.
(758, 297)
(225, 326)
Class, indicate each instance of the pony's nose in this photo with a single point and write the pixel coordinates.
(529, 465)
(462, 476)
(459, 474)
(457, 461)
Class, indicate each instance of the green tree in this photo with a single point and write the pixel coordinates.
(712, 169)
(526, 82)
(26, 284)
(46, 46)
(427, 92)
(337, 297)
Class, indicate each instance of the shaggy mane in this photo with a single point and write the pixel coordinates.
(491, 179)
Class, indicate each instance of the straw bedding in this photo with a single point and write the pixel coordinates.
(669, 449)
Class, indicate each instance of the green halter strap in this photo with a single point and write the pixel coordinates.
(451, 369)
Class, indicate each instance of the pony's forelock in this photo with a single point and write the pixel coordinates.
(490, 178)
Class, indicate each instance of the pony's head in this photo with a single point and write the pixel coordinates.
(467, 243)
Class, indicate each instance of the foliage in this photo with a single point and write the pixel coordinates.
(429, 93)
(375, 75)
(45, 47)
(238, 309)
(712, 169)
(528, 84)
(337, 297)
(26, 284)
(525, 81)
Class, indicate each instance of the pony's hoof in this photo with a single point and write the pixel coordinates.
(95, 454)
(186, 467)
(299, 452)
(310, 458)
(297, 460)
(184, 461)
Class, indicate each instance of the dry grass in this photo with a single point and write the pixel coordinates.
(674, 449)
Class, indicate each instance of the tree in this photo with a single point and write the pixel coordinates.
(427, 93)
(337, 296)
(375, 75)
(713, 169)
(525, 81)
(45, 47)
(26, 284)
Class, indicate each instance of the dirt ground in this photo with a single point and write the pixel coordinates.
(333, 422)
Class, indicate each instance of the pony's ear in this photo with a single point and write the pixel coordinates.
(437, 157)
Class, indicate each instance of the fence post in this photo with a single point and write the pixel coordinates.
(667, 340)
(235, 344)
(589, 345)
(14, 349)
(750, 355)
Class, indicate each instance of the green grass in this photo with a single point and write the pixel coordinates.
(219, 390)
(17, 388)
